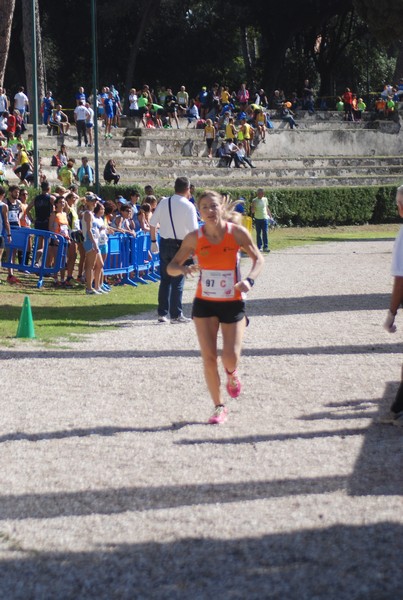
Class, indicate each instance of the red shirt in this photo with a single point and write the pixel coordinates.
(11, 123)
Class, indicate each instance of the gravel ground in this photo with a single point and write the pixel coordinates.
(113, 486)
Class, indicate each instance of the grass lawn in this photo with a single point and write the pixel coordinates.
(64, 313)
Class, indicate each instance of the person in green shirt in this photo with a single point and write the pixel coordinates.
(67, 174)
(261, 213)
(339, 104)
(142, 103)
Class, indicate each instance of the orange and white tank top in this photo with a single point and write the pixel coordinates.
(219, 267)
(61, 224)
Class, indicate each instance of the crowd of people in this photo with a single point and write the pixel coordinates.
(64, 212)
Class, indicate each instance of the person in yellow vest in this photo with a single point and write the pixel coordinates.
(247, 131)
(209, 136)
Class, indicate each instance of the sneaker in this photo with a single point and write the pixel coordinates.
(389, 323)
(180, 319)
(105, 287)
(234, 385)
(163, 319)
(219, 415)
(93, 292)
(101, 291)
(12, 279)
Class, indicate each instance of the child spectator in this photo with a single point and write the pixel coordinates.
(209, 136)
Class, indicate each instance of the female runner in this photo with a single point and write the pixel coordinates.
(220, 293)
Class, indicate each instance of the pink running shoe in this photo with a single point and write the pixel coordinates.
(234, 385)
(219, 415)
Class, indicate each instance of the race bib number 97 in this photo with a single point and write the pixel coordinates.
(217, 284)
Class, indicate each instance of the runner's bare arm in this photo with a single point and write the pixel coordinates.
(244, 239)
(176, 266)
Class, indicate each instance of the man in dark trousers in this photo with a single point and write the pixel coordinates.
(176, 217)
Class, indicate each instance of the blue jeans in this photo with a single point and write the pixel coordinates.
(171, 288)
(262, 228)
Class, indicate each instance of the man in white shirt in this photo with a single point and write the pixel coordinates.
(3, 102)
(81, 115)
(21, 102)
(176, 217)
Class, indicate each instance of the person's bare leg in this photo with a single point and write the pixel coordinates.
(207, 331)
(232, 334)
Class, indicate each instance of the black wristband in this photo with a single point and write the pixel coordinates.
(250, 281)
(153, 241)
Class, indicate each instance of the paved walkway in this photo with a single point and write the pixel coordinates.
(112, 485)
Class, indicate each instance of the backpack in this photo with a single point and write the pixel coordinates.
(55, 162)
(201, 124)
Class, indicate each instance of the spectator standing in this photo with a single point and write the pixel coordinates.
(176, 217)
(243, 96)
(67, 174)
(133, 105)
(209, 136)
(21, 102)
(261, 212)
(183, 98)
(348, 105)
(81, 115)
(80, 96)
(85, 173)
(192, 113)
(308, 97)
(93, 260)
(5, 230)
(47, 106)
(3, 102)
(89, 124)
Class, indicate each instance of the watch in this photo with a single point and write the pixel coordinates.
(250, 281)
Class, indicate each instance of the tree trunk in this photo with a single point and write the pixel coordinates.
(247, 59)
(149, 6)
(399, 64)
(27, 47)
(6, 20)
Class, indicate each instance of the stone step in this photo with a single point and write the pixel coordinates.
(127, 158)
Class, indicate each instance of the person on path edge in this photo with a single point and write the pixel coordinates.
(176, 217)
(396, 410)
(219, 300)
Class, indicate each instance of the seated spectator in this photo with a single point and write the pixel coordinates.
(231, 151)
(110, 173)
(243, 159)
(287, 115)
(85, 173)
(295, 101)
(221, 153)
(339, 104)
(380, 107)
(390, 106)
(261, 96)
(58, 121)
(259, 122)
(277, 100)
(24, 167)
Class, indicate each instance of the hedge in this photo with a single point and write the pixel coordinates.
(302, 206)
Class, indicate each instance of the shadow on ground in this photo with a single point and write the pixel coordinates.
(340, 562)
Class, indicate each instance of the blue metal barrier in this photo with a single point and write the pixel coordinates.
(127, 255)
(26, 242)
(142, 258)
(131, 257)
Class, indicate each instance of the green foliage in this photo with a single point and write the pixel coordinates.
(385, 19)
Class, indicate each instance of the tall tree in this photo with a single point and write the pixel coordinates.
(27, 46)
(149, 9)
(6, 21)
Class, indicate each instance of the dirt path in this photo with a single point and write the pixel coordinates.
(113, 486)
